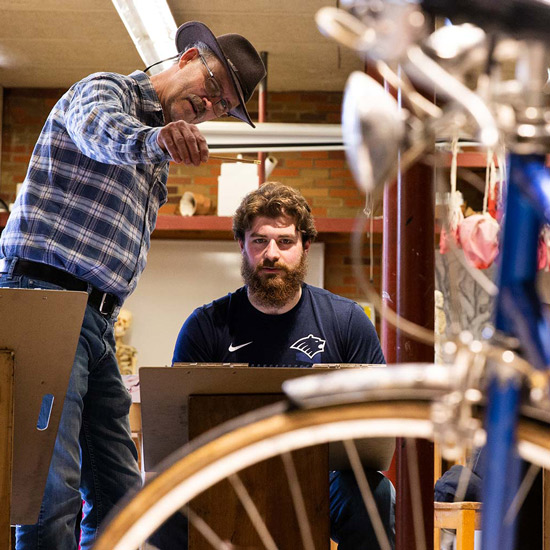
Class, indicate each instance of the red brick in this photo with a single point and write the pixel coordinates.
(7, 148)
(344, 193)
(333, 163)
(299, 163)
(330, 108)
(340, 173)
(315, 154)
(314, 192)
(314, 173)
(327, 201)
(21, 159)
(337, 154)
(328, 182)
(319, 212)
(202, 181)
(285, 172)
(283, 97)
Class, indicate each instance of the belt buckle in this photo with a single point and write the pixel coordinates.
(102, 303)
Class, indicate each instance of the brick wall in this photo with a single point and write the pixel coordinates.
(24, 114)
(322, 176)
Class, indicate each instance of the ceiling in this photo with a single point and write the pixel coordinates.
(53, 43)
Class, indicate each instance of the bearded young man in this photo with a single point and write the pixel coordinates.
(277, 320)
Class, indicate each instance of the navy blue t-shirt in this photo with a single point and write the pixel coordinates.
(321, 328)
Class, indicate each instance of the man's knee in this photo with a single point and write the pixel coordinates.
(172, 534)
(351, 525)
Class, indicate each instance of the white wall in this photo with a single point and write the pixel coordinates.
(180, 276)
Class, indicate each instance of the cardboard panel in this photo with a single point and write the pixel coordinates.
(165, 392)
(42, 328)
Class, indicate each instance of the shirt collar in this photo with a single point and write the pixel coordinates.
(150, 99)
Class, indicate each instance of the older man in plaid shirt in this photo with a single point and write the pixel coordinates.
(83, 221)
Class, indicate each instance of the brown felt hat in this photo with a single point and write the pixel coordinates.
(235, 52)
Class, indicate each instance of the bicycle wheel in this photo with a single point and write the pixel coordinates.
(392, 402)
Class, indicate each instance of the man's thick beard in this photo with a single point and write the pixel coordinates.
(274, 291)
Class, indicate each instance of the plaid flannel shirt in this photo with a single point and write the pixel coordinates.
(95, 182)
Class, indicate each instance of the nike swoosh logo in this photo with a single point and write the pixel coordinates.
(232, 348)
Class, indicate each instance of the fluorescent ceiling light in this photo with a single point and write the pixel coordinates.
(152, 28)
(238, 137)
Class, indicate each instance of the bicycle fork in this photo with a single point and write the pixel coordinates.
(519, 315)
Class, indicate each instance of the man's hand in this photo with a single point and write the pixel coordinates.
(183, 142)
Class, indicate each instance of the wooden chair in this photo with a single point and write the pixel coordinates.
(465, 517)
(135, 427)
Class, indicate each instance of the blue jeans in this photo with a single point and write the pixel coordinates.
(350, 525)
(94, 458)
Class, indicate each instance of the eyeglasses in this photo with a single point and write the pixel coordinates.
(213, 91)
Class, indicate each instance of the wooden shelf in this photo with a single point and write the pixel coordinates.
(219, 228)
(192, 227)
(214, 227)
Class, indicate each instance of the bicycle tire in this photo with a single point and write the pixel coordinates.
(213, 457)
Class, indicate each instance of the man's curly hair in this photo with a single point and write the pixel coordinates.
(273, 199)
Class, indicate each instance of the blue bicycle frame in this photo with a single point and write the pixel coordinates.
(519, 314)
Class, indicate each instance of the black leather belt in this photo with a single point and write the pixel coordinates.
(103, 302)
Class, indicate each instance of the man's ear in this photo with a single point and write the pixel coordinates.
(307, 244)
(241, 245)
(187, 56)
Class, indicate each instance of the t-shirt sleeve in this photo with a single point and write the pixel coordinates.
(363, 345)
(195, 341)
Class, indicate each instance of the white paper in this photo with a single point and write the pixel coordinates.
(235, 181)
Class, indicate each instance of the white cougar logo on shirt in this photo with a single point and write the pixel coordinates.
(310, 345)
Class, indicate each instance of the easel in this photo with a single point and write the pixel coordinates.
(39, 332)
(183, 402)
(6, 441)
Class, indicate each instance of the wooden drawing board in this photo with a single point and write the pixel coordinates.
(165, 393)
(42, 328)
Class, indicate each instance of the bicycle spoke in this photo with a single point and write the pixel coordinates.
(462, 485)
(367, 495)
(522, 492)
(416, 500)
(252, 512)
(298, 500)
(206, 531)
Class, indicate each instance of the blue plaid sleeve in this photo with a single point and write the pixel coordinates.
(100, 121)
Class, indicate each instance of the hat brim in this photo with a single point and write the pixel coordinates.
(194, 31)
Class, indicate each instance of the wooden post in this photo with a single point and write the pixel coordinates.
(408, 288)
(546, 509)
(262, 117)
(6, 445)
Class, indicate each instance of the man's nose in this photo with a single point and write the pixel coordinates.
(272, 250)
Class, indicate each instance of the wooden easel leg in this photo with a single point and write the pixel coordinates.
(6, 445)
(546, 509)
(465, 530)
